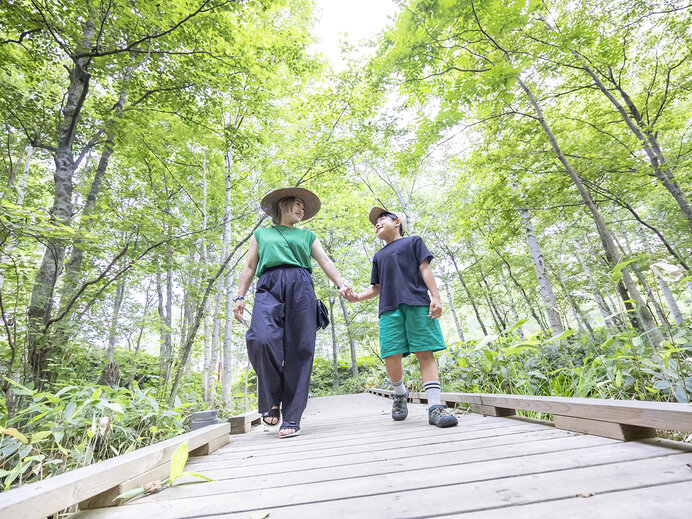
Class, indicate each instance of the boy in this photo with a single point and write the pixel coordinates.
(401, 277)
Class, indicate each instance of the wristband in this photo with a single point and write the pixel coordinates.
(239, 297)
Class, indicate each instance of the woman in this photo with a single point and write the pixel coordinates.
(281, 338)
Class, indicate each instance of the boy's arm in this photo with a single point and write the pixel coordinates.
(368, 293)
(429, 279)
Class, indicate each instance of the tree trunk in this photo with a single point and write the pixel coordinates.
(510, 301)
(166, 345)
(39, 349)
(13, 170)
(670, 300)
(468, 294)
(227, 359)
(335, 350)
(606, 312)
(213, 353)
(119, 293)
(351, 342)
(21, 192)
(541, 273)
(577, 312)
(628, 288)
(529, 303)
(455, 317)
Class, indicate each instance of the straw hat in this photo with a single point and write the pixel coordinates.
(310, 200)
(376, 212)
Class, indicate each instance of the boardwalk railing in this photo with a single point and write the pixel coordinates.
(619, 419)
(98, 484)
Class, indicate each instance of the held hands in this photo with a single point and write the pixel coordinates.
(352, 297)
(435, 308)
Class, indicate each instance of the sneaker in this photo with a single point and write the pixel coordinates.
(440, 416)
(400, 407)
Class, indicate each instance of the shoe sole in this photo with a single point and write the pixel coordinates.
(445, 423)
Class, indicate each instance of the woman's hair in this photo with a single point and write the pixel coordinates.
(285, 204)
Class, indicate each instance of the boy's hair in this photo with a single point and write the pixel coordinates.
(397, 216)
(277, 210)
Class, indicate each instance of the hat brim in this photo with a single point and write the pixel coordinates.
(311, 202)
(375, 213)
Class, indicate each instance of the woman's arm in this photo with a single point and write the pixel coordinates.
(245, 279)
(327, 265)
(429, 280)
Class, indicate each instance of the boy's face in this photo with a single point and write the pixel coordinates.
(387, 228)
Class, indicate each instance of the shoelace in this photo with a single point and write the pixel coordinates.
(398, 403)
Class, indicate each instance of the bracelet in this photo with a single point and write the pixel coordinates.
(239, 297)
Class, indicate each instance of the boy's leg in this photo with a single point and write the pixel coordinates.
(393, 345)
(430, 376)
(395, 373)
(438, 414)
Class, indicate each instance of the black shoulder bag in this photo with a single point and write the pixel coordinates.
(322, 313)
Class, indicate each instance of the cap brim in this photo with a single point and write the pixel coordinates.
(375, 213)
(311, 202)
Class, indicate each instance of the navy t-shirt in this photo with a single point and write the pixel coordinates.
(395, 269)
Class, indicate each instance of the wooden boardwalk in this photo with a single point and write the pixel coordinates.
(352, 460)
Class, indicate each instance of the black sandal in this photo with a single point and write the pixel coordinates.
(272, 413)
(289, 425)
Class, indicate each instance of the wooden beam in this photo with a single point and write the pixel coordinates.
(242, 423)
(613, 430)
(42, 498)
(639, 416)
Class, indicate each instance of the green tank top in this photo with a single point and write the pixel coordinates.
(273, 250)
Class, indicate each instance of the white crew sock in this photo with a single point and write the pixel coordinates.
(432, 392)
(399, 387)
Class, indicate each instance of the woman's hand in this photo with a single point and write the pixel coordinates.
(238, 309)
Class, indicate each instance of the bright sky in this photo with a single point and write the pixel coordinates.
(352, 20)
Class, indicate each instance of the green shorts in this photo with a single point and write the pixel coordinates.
(409, 329)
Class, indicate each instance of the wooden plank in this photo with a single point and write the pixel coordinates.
(253, 464)
(613, 430)
(581, 449)
(37, 500)
(473, 487)
(672, 501)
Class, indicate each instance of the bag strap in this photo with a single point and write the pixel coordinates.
(287, 243)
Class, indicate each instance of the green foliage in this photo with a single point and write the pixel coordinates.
(79, 425)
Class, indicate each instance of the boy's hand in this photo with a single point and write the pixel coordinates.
(344, 291)
(352, 297)
(435, 309)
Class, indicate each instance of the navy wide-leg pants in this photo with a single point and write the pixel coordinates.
(281, 339)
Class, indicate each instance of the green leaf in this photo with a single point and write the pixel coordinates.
(197, 475)
(114, 406)
(484, 341)
(520, 322)
(40, 436)
(125, 496)
(178, 461)
(563, 335)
